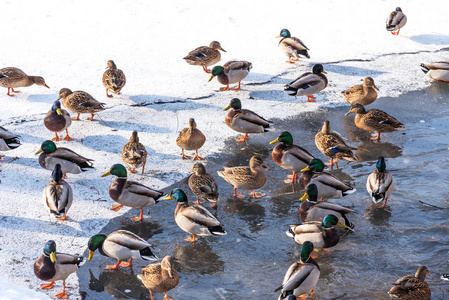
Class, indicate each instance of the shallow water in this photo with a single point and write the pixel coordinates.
(252, 259)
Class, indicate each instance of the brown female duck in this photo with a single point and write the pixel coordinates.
(113, 79)
(134, 154)
(362, 93)
(80, 102)
(412, 287)
(191, 138)
(58, 120)
(203, 185)
(160, 277)
(14, 77)
(205, 56)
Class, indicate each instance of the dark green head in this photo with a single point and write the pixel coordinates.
(118, 170)
(57, 173)
(50, 250)
(234, 104)
(318, 69)
(56, 107)
(381, 166)
(316, 165)
(285, 138)
(284, 33)
(217, 70)
(398, 9)
(178, 195)
(311, 193)
(329, 221)
(306, 249)
(47, 147)
(94, 243)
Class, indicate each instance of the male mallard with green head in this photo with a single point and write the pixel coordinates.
(231, 72)
(53, 266)
(205, 56)
(290, 156)
(292, 46)
(194, 219)
(374, 120)
(122, 245)
(8, 140)
(244, 120)
(80, 102)
(113, 79)
(160, 277)
(14, 77)
(246, 177)
(302, 276)
(364, 94)
(134, 153)
(438, 70)
(58, 195)
(412, 287)
(308, 84)
(191, 138)
(130, 193)
(203, 185)
(58, 120)
(395, 21)
(380, 183)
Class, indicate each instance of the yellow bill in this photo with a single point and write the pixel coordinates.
(275, 141)
(106, 174)
(53, 257)
(306, 169)
(304, 197)
(91, 253)
(167, 198)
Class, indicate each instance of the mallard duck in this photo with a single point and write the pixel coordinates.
(53, 266)
(130, 193)
(194, 219)
(395, 21)
(160, 277)
(311, 210)
(8, 140)
(246, 177)
(362, 93)
(302, 276)
(380, 183)
(80, 102)
(292, 47)
(308, 84)
(58, 195)
(191, 138)
(321, 234)
(122, 245)
(134, 154)
(412, 287)
(438, 70)
(58, 120)
(328, 185)
(231, 72)
(205, 56)
(333, 145)
(14, 77)
(289, 156)
(203, 185)
(113, 79)
(374, 120)
(244, 120)
(70, 161)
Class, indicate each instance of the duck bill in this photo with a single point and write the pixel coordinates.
(53, 257)
(39, 151)
(324, 72)
(275, 141)
(91, 254)
(375, 87)
(344, 226)
(306, 169)
(211, 77)
(265, 168)
(315, 250)
(171, 273)
(304, 197)
(222, 49)
(278, 36)
(106, 174)
(348, 113)
(58, 111)
(227, 107)
(167, 198)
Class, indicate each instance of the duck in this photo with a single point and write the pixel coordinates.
(58, 195)
(58, 120)
(321, 234)
(395, 21)
(8, 140)
(113, 79)
(311, 210)
(333, 145)
(308, 83)
(130, 193)
(121, 245)
(14, 78)
(80, 102)
(194, 219)
(246, 177)
(329, 186)
(374, 120)
(292, 46)
(244, 120)
(160, 277)
(364, 94)
(412, 287)
(203, 185)
(205, 56)
(380, 183)
(231, 72)
(53, 266)
(70, 161)
(191, 138)
(134, 154)
(438, 70)
(289, 156)
(302, 276)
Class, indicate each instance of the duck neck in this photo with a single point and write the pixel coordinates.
(116, 188)
(180, 206)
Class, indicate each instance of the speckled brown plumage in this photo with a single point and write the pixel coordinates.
(205, 56)
(160, 277)
(364, 94)
(80, 102)
(134, 153)
(191, 138)
(14, 77)
(113, 79)
(412, 287)
(332, 144)
(202, 184)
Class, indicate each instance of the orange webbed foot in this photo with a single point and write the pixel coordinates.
(63, 218)
(48, 286)
(116, 207)
(68, 138)
(113, 267)
(62, 295)
(91, 118)
(197, 157)
(185, 156)
(314, 256)
(133, 171)
(213, 205)
(225, 88)
(56, 139)
(326, 251)
(255, 195)
(311, 98)
(126, 264)
(191, 239)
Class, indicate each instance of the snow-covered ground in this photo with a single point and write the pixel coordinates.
(69, 43)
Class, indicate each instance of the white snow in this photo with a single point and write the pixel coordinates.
(69, 42)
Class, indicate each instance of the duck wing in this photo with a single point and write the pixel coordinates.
(140, 189)
(128, 239)
(334, 207)
(199, 215)
(252, 117)
(332, 181)
(236, 65)
(294, 43)
(304, 81)
(295, 276)
(12, 73)
(376, 118)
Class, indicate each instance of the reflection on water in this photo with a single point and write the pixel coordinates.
(378, 216)
(198, 259)
(369, 151)
(248, 210)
